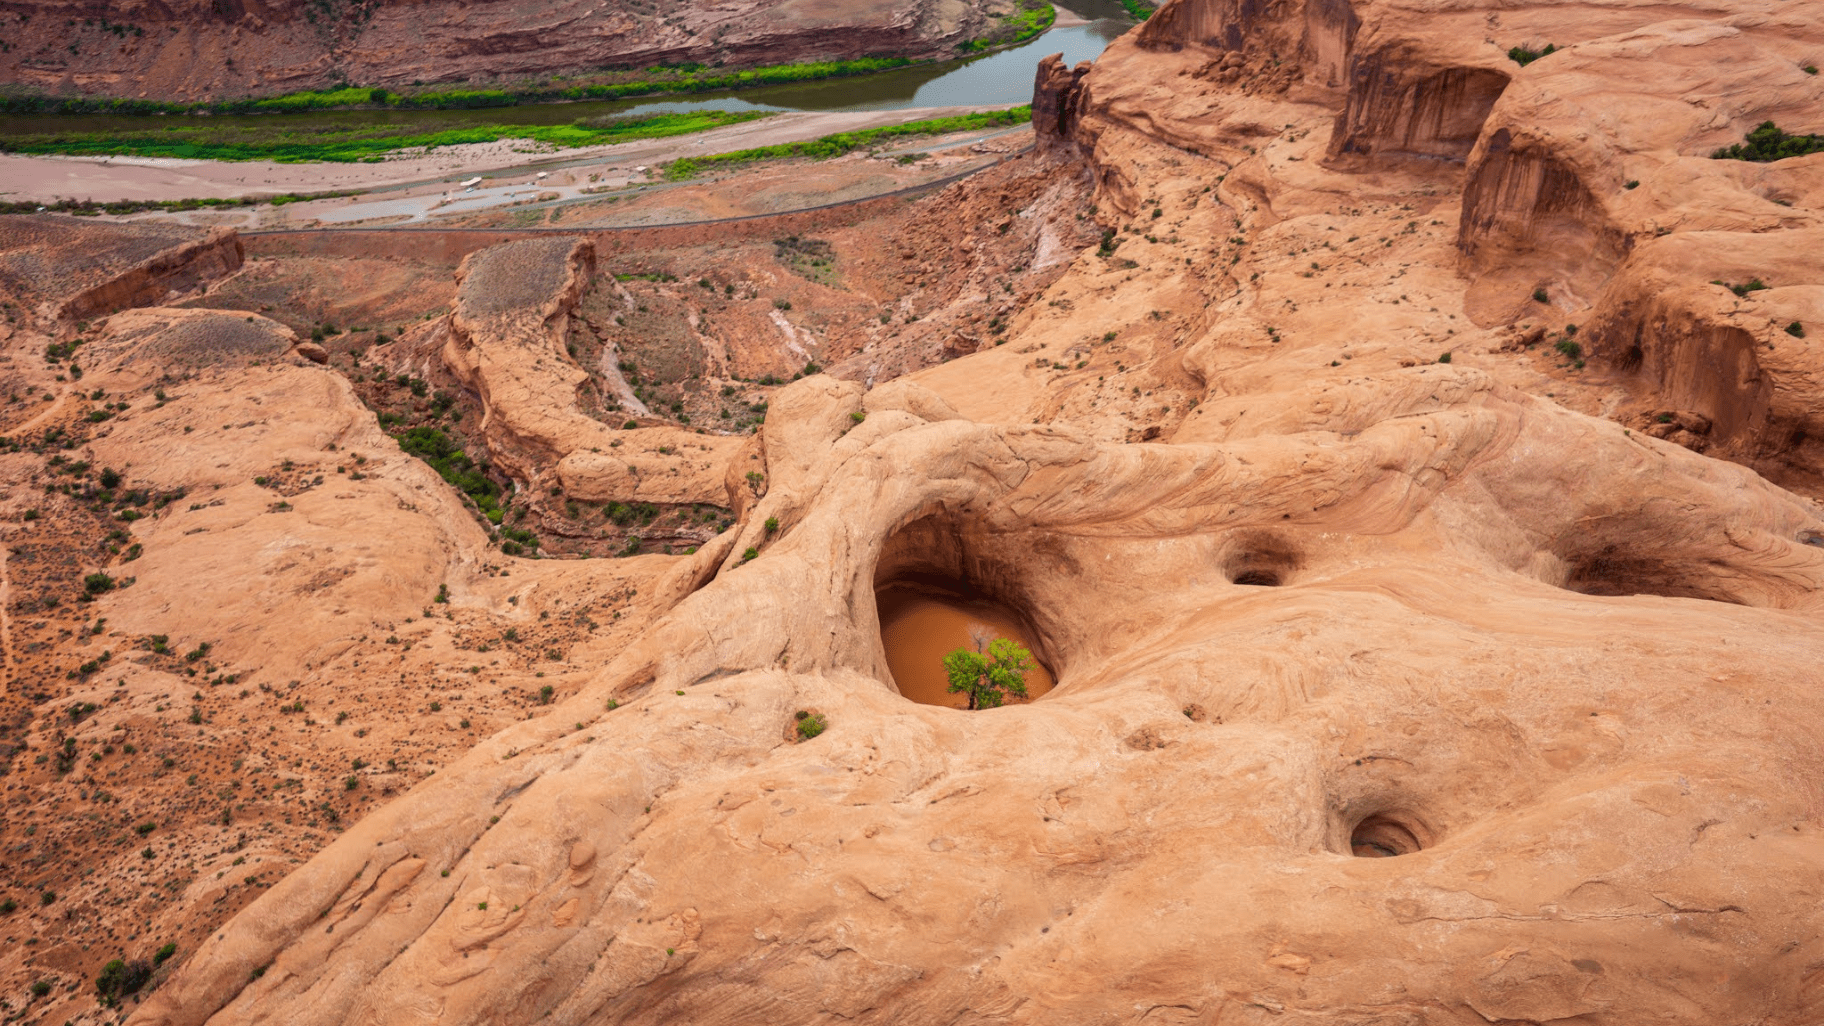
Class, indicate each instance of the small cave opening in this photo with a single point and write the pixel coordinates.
(1614, 573)
(1631, 360)
(935, 592)
(1384, 836)
(1260, 560)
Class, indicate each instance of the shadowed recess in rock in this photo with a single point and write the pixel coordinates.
(1383, 836)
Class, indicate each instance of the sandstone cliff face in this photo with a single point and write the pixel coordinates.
(1403, 105)
(1631, 220)
(213, 49)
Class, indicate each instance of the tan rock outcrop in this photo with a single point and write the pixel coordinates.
(505, 340)
(1630, 219)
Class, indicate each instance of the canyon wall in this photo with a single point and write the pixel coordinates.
(216, 49)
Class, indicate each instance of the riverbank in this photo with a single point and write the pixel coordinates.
(45, 179)
(368, 144)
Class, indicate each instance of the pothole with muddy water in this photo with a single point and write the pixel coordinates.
(933, 596)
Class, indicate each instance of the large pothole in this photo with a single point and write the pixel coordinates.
(935, 593)
(925, 617)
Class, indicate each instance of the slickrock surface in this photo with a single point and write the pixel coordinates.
(679, 859)
(203, 50)
(1426, 552)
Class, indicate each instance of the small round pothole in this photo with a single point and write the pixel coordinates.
(1384, 836)
(1261, 559)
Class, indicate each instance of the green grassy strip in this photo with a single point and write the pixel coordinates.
(847, 142)
(1139, 10)
(90, 208)
(687, 78)
(1015, 28)
(1767, 144)
(368, 144)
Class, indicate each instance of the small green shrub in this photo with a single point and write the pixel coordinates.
(1444, 358)
(120, 978)
(1522, 56)
(1767, 144)
(750, 554)
(1795, 329)
(811, 724)
(1539, 296)
(1569, 348)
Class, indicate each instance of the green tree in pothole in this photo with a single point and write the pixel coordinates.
(996, 670)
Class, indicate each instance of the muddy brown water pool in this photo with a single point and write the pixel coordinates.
(919, 627)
